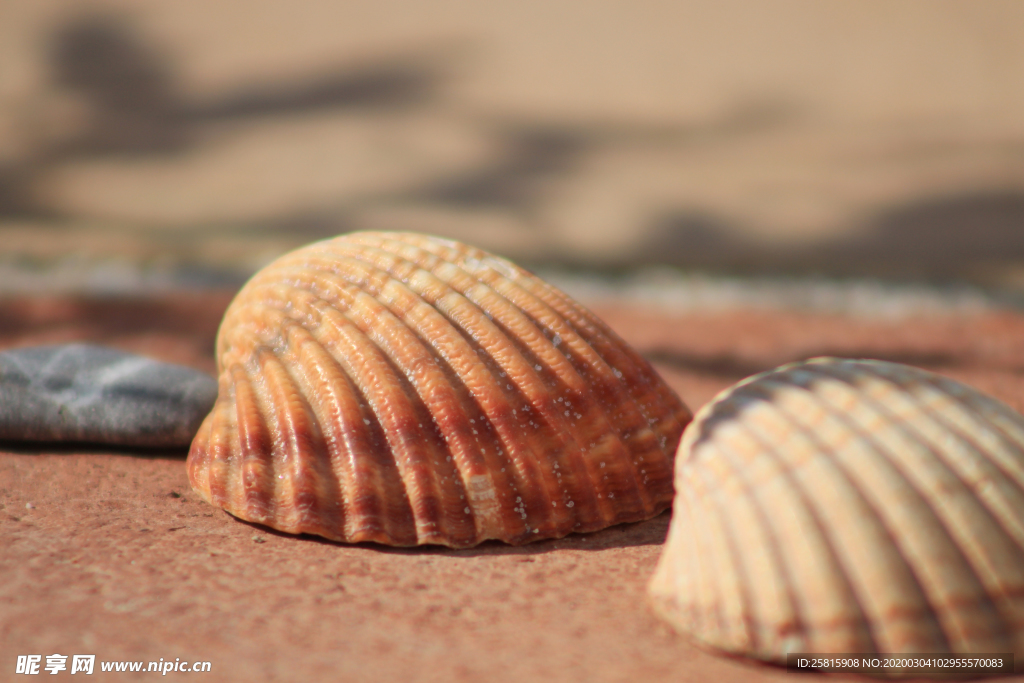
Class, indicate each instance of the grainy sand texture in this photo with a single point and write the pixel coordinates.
(112, 554)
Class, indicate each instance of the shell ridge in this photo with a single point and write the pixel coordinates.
(518, 286)
(304, 481)
(337, 412)
(955, 515)
(210, 456)
(424, 281)
(503, 318)
(372, 376)
(353, 325)
(721, 408)
(536, 291)
(417, 362)
(420, 298)
(383, 500)
(658, 467)
(814, 516)
(492, 475)
(449, 376)
(452, 360)
(1013, 530)
(673, 590)
(593, 423)
(755, 624)
(305, 367)
(489, 318)
(923, 567)
(257, 489)
(201, 457)
(641, 395)
(702, 608)
(696, 560)
(257, 483)
(882, 536)
(718, 547)
(296, 320)
(450, 381)
(603, 346)
(584, 321)
(390, 402)
(577, 487)
(1006, 422)
(999, 460)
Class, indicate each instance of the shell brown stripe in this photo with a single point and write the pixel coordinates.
(492, 399)
(431, 482)
(988, 486)
(1006, 423)
(446, 408)
(488, 491)
(420, 461)
(675, 583)
(712, 561)
(822, 502)
(255, 487)
(729, 602)
(384, 388)
(458, 321)
(947, 574)
(375, 508)
(502, 316)
(364, 475)
(307, 491)
(615, 371)
(490, 268)
(426, 343)
(209, 458)
(510, 339)
(773, 610)
(887, 572)
(1001, 485)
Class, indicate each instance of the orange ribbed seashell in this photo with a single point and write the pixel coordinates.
(407, 389)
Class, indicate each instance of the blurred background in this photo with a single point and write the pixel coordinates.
(187, 143)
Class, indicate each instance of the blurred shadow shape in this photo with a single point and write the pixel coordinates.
(17, 192)
(936, 237)
(527, 159)
(309, 225)
(397, 84)
(695, 239)
(128, 84)
(136, 108)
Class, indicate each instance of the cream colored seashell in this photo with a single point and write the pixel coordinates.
(407, 389)
(848, 506)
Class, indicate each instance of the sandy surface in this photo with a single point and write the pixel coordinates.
(110, 553)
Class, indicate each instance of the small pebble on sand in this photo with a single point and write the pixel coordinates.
(81, 393)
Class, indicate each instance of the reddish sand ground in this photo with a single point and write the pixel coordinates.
(112, 554)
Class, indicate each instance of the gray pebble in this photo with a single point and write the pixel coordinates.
(91, 394)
